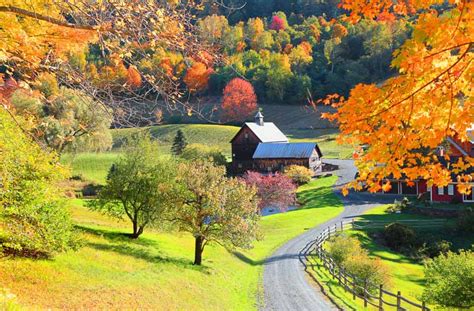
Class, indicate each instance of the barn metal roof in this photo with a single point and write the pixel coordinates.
(267, 133)
(285, 150)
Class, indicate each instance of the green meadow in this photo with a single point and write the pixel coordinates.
(111, 271)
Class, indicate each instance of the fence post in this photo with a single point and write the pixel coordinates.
(340, 274)
(423, 306)
(381, 297)
(335, 228)
(399, 301)
(342, 226)
(365, 293)
(352, 223)
(329, 232)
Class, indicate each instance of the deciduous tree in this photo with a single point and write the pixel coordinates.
(215, 209)
(140, 186)
(239, 100)
(405, 118)
(273, 190)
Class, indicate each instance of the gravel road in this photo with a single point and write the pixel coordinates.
(285, 282)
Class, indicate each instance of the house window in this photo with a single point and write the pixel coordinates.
(440, 190)
(450, 189)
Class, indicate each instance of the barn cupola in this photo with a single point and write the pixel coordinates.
(259, 118)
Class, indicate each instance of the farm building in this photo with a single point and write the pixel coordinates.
(455, 149)
(261, 146)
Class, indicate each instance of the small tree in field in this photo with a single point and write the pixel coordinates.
(239, 101)
(273, 190)
(179, 143)
(215, 208)
(140, 186)
(450, 280)
(299, 174)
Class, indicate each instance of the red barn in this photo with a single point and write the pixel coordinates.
(261, 146)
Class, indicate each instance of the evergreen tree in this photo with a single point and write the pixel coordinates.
(179, 143)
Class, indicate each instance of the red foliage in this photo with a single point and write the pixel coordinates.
(277, 23)
(239, 100)
(7, 87)
(273, 190)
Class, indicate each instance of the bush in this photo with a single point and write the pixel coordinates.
(367, 270)
(299, 174)
(91, 190)
(450, 280)
(398, 236)
(465, 222)
(33, 221)
(341, 247)
(195, 152)
(435, 248)
(348, 253)
(38, 231)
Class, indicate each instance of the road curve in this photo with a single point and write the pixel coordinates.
(285, 282)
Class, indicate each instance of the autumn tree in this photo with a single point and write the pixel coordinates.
(140, 186)
(239, 100)
(50, 36)
(405, 118)
(277, 23)
(215, 209)
(197, 76)
(66, 118)
(273, 190)
(33, 219)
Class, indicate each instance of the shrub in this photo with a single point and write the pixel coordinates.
(341, 247)
(348, 253)
(33, 221)
(90, 190)
(450, 280)
(39, 230)
(367, 270)
(195, 152)
(299, 174)
(398, 236)
(465, 222)
(435, 248)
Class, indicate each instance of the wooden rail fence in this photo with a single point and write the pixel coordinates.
(371, 294)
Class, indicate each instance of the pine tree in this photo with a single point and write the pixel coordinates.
(179, 143)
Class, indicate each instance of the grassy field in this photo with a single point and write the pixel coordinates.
(155, 272)
(406, 274)
(94, 166)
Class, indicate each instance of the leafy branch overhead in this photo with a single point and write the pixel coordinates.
(403, 120)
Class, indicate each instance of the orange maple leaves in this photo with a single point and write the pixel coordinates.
(404, 119)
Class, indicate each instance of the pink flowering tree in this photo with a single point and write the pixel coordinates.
(275, 190)
(277, 23)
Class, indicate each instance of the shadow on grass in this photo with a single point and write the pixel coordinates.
(268, 260)
(122, 244)
(318, 198)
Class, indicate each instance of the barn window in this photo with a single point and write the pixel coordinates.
(440, 190)
(450, 189)
(246, 135)
(239, 165)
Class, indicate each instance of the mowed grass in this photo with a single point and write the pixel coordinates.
(406, 274)
(94, 166)
(155, 272)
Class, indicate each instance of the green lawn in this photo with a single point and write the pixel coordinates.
(155, 271)
(94, 166)
(407, 274)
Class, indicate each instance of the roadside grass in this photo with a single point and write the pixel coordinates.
(406, 274)
(155, 272)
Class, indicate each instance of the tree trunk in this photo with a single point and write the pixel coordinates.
(137, 230)
(198, 250)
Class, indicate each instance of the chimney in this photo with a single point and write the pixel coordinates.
(259, 118)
